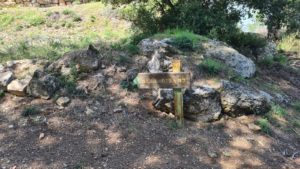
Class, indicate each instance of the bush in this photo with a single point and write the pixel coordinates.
(297, 106)
(211, 66)
(183, 43)
(68, 12)
(278, 110)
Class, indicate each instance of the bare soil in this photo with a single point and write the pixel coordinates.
(120, 129)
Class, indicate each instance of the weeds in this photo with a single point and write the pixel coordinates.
(264, 125)
(211, 66)
(5, 20)
(296, 106)
(278, 110)
(30, 111)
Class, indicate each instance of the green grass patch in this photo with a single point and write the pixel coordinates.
(278, 110)
(68, 12)
(296, 106)
(183, 39)
(211, 66)
(30, 111)
(264, 125)
(5, 20)
(290, 43)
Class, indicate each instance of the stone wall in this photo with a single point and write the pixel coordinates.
(37, 3)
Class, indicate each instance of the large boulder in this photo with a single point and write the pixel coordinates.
(148, 46)
(5, 79)
(82, 60)
(267, 52)
(18, 87)
(237, 99)
(43, 85)
(242, 65)
(200, 104)
(26, 67)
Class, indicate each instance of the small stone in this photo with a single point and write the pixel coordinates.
(1, 68)
(41, 136)
(89, 112)
(103, 66)
(63, 101)
(212, 154)
(118, 110)
(11, 126)
(254, 127)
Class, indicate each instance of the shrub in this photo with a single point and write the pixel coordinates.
(35, 20)
(77, 18)
(296, 106)
(2, 94)
(264, 124)
(211, 66)
(68, 12)
(30, 111)
(183, 43)
(282, 59)
(290, 43)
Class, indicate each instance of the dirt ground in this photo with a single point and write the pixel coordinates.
(120, 129)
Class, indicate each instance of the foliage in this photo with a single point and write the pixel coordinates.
(30, 111)
(280, 58)
(129, 85)
(264, 124)
(2, 94)
(278, 110)
(296, 106)
(290, 43)
(243, 41)
(5, 20)
(211, 66)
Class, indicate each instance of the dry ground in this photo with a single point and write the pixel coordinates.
(90, 133)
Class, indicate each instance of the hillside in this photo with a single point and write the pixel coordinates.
(70, 96)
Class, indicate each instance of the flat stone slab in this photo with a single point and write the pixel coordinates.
(5, 79)
(18, 87)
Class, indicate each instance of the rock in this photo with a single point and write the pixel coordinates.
(18, 87)
(2, 68)
(42, 136)
(55, 16)
(267, 52)
(212, 154)
(89, 112)
(254, 127)
(242, 65)
(200, 104)
(154, 64)
(63, 101)
(82, 60)
(149, 46)
(5, 79)
(118, 110)
(131, 74)
(26, 67)
(238, 100)
(92, 83)
(43, 85)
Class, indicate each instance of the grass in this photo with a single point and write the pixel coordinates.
(290, 43)
(5, 20)
(30, 33)
(211, 66)
(264, 124)
(183, 39)
(30, 111)
(296, 106)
